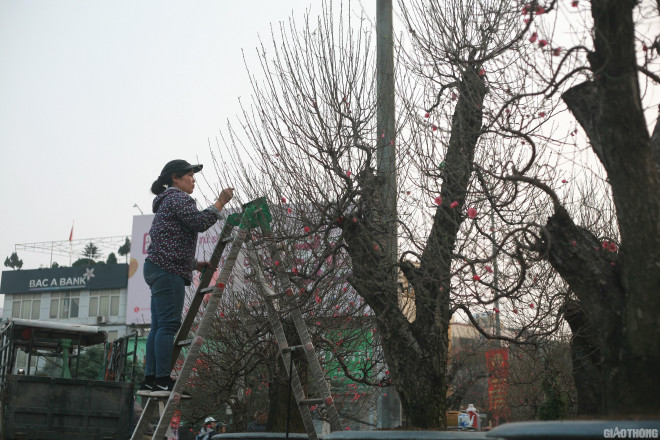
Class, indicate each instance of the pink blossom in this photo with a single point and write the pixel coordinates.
(515, 311)
(496, 310)
(348, 174)
(564, 181)
(574, 3)
(540, 10)
(434, 127)
(283, 199)
(476, 277)
(541, 114)
(556, 51)
(543, 43)
(453, 96)
(472, 213)
(306, 229)
(288, 210)
(438, 200)
(488, 269)
(427, 115)
(533, 38)
(531, 305)
(482, 72)
(454, 204)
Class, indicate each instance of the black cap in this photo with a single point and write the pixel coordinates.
(179, 166)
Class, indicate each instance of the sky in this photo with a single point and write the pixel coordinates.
(96, 96)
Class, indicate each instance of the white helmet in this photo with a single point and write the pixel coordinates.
(209, 420)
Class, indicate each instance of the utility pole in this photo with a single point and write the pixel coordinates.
(385, 156)
(498, 331)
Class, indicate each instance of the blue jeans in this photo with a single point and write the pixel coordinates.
(167, 295)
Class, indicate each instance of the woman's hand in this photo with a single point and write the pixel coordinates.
(225, 196)
(201, 265)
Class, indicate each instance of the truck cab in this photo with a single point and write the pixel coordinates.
(52, 403)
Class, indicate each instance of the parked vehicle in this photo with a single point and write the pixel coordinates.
(52, 403)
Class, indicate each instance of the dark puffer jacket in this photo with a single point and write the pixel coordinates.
(174, 231)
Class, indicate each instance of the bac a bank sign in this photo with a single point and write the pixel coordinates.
(110, 276)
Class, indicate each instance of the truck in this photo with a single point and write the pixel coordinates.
(52, 402)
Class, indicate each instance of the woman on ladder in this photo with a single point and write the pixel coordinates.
(170, 262)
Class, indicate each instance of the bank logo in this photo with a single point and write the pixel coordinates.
(89, 274)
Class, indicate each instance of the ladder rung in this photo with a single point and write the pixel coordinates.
(292, 348)
(316, 401)
(207, 289)
(184, 343)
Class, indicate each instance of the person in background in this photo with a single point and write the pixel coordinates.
(169, 265)
(259, 422)
(220, 428)
(208, 430)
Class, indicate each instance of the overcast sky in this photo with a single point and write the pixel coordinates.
(96, 96)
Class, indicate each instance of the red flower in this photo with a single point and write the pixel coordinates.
(482, 72)
(556, 51)
(613, 247)
(283, 199)
(564, 181)
(644, 47)
(541, 114)
(496, 310)
(515, 311)
(288, 210)
(472, 213)
(454, 204)
(531, 306)
(476, 277)
(453, 96)
(540, 10)
(533, 38)
(434, 127)
(543, 43)
(438, 200)
(375, 247)
(573, 243)
(574, 3)
(488, 269)
(277, 263)
(348, 174)
(306, 229)
(427, 115)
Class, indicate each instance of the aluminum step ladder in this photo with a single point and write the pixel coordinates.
(250, 217)
(285, 303)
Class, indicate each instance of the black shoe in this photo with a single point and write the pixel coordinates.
(163, 388)
(147, 386)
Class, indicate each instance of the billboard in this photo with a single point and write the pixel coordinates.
(138, 302)
(105, 276)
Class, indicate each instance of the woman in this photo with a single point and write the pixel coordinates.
(170, 262)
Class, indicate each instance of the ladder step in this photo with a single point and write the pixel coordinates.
(292, 348)
(207, 290)
(184, 343)
(316, 401)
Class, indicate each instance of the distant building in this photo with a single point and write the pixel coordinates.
(88, 295)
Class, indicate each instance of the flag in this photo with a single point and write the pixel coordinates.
(71, 234)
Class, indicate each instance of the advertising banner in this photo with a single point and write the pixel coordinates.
(108, 276)
(138, 303)
(497, 364)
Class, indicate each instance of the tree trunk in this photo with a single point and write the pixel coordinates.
(585, 357)
(609, 109)
(416, 352)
